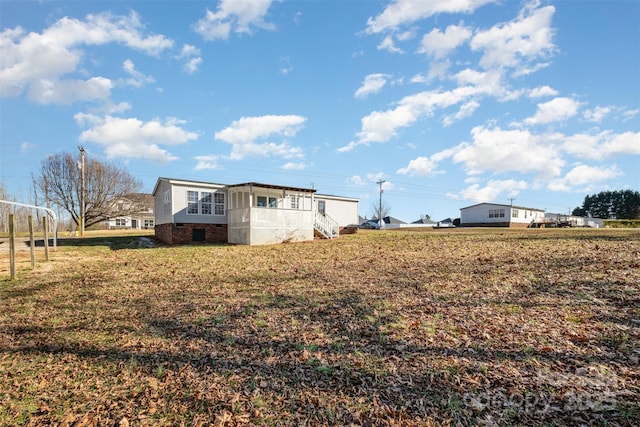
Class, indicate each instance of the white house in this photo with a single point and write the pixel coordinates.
(247, 213)
(497, 215)
(134, 211)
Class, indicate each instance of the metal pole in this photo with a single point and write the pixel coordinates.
(380, 220)
(82, 201)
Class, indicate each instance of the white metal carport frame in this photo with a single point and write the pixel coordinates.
(48, 210)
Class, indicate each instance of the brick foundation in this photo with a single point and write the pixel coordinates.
(495, 224)
(180, 234)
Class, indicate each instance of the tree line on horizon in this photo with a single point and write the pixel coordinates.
(618, 204)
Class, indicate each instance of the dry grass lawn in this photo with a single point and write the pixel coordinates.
(472, 327)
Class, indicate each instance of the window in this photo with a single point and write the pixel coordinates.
(205, 203)
(514, 213)
(148, 223)
(295, 201)
(264, 202)
(121, 222)
(321, 206)
(496, 213)
(192, 202)
(218, 203)
(167, 196)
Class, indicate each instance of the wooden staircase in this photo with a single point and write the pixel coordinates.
(325, 226)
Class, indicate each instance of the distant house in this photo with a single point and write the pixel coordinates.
(247, 213)
(445, 223)
(563, 220)
(389, 222)
(424, 221)
(135, 212)
(498, 215)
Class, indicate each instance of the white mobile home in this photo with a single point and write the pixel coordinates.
(248, 213)
(497, 215)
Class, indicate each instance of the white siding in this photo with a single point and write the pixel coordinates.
(179, 205)
(480, 214)
(163, 210)
(523, 215)
(343, 210)
(491, 213)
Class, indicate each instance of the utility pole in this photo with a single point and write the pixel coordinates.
(380, 220)
(82, 201)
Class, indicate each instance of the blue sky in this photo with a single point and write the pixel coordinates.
(450, 102)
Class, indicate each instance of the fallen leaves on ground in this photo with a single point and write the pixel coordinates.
(475, 327)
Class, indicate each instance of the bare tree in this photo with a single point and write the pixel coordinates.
(380, 209)
(105, 184)
(5, 210)
(21, 214)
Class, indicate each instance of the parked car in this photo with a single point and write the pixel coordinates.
(372, 225)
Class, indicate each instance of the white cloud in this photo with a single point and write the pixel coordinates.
(357, 180)
(388, 45)
(630, 114)
(597, 114)
(239, 16)
(372, 83)
(243, 133)
(137, 79)
(294, 166)
(350, 146)
(584, 178)
(38, 62)
(493, 189)
(133, 138)
(188, 51)
(466, 110)
(374, 178)
(557, 110)
(46, 91)
(542, 91)
(439, 44)
(192, 65)
(119, 108)
(602, 145)
(191, 57)
(207, 162)
(402, 12)
(248, 129)
(420, 166)
(497, 150)
(438, 69)
(381, 126)
(517, 44)
(26, 147)
(286, 67)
